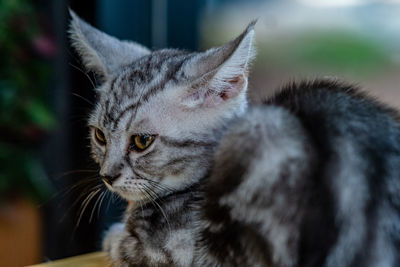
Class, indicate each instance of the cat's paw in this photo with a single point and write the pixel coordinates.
(113, 238)
(117, 242)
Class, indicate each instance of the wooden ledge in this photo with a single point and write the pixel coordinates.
(96, 259)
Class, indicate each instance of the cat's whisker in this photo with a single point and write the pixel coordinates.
(83, 98)
(87, 181)
(159, 183)
(147, 196)
(138, 176)
(95, 205)
(87, 192)
(82, 210)
(114, 198)
(109, 199)
(85, 203)
(161, 186)
(90, 192)
(101, 202)
(87, 75)
(141, 203)
(153, 193)
(154, 201)
(63, 193)
(77, 186)
(89, 186)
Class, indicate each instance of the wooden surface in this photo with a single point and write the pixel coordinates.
(96, 259)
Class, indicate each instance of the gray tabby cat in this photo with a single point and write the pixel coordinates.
(310, 178)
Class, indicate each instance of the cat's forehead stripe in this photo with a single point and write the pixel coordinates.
(138, 84)
(113, 83)
(128, 109)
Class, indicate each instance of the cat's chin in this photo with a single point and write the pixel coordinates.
(126, 194)
(130, 196)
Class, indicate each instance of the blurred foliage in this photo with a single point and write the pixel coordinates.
(341, 52)
(25, 116)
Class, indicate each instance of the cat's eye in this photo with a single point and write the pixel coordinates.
(99, 136)
(141, 142)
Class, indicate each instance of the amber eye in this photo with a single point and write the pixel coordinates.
(100, 138)
(141, 142)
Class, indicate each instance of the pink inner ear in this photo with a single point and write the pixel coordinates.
(210, 98)
(236, 85)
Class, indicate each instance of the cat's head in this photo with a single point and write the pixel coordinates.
(160, 113)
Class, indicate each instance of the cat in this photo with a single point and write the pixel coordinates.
(310, 177)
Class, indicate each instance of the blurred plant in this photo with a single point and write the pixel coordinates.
(340, 52)
(25, 115)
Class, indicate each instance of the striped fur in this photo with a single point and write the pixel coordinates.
(309, 178)
(320, 187)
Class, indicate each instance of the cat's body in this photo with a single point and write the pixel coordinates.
(310, 178)
(293, 177)
(159, 233)
(321, 187)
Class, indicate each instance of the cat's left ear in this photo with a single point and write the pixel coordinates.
(220, 74)
(101, 52)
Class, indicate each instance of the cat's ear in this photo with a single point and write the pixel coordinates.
(220, 74)
(100, 52)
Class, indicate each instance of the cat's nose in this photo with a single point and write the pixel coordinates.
(109, 179)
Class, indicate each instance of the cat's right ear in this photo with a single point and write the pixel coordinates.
(220, 75)
(100, 52)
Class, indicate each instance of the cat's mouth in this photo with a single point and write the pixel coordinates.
(127, 192)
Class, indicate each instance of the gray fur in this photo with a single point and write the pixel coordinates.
(309, 178)
(100, 52)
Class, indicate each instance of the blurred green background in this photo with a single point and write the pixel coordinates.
(25, 110)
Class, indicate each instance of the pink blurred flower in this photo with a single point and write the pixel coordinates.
(45, 46)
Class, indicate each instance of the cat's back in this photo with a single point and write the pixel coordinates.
(330, 108)
(356, 141)
(315, 172)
